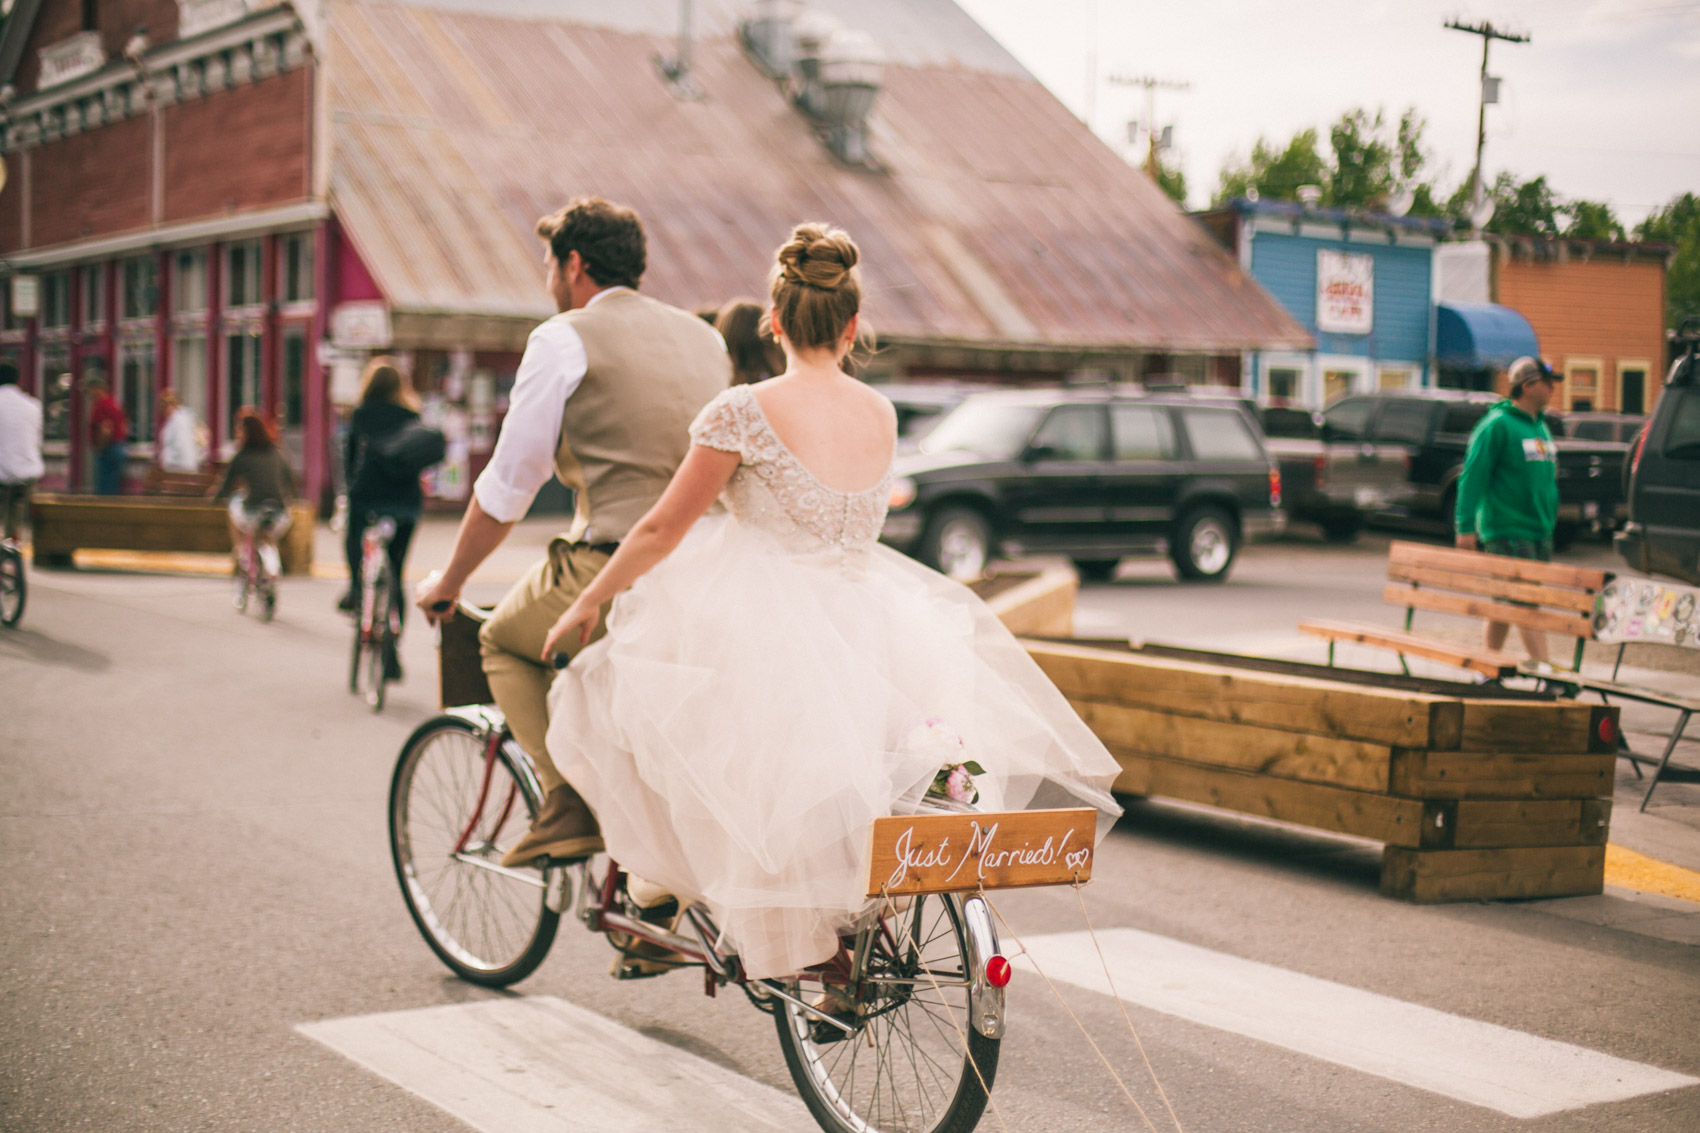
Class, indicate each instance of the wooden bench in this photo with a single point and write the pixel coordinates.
(1640, 611)
(159, 482)
(61, 525)
(1550, 597)
(1473, 790)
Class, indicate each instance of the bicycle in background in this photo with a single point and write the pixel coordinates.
(258, 565)
(377, 625)
(12, 586)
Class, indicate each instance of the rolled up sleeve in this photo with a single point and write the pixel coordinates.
(551, 369)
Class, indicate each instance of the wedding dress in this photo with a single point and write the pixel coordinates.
(782, 679)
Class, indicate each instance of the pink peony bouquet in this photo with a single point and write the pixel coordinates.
(955, 779)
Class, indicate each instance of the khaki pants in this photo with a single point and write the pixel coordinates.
(511, 643)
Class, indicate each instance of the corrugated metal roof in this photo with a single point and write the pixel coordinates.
(1000, 218)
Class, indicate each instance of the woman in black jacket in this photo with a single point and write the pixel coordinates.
(387, 405)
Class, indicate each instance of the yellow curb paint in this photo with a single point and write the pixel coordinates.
(171, 562)
(1627, 869)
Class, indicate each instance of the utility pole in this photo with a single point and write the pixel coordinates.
(1489, 33)
(1150, 84)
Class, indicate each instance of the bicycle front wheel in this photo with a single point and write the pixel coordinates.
(490, 925)
(379, 643)
(915, 1062)
(12, 588)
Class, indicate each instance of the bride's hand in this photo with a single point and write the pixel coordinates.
(578, 617)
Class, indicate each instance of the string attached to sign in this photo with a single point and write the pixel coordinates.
(1096, 1049)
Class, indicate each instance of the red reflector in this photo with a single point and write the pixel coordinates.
(1608, 731)
(997, 971)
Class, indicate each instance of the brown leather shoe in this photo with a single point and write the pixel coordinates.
(564, 828)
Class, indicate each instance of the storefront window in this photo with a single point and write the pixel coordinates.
(94, 295)
(295, 268)
(1394, 377)
(55, 300)
(141, 288)
(189, 281)
(1283, 384)
(242, 274)
(241, 375)
(293, 385)
(189, 371)
(53, 379)
(136, 364)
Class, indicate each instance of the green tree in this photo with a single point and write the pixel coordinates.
(1526, 208)
(1678, 224)
(1274, 173)
(1172, 182)
(1361, 173)
(1590, 220)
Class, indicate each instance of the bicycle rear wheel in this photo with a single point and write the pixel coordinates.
(915, 1062)
(379, 641)
(12, 587)
(489, 925)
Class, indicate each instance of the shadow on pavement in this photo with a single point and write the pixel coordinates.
(36, 646)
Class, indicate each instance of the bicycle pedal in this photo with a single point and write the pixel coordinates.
(637, 968)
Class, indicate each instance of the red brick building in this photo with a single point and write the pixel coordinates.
(243, 199)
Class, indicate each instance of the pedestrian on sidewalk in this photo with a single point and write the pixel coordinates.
(1508, 491)
(109, 432)
(20, 450)
(182, 444)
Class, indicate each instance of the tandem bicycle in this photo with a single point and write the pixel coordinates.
(899, 1031)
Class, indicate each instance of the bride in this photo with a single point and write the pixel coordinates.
(773, 678)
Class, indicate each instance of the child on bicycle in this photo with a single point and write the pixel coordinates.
(259, 482)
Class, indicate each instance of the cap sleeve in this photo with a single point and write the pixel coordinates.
(720, 425)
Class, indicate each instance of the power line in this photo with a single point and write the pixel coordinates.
(1489, 33)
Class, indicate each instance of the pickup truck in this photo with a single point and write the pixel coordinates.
(1434, 425)
(1336, 483)
(1663, 532)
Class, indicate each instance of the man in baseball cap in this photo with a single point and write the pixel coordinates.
(1508, 491)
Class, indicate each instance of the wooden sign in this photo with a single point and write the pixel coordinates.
(944, 853)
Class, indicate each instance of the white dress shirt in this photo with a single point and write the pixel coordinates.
(553, 366)
(179, 447)
(20, 436)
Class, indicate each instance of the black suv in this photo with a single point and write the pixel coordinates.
(1663, 532)
(1092, 475)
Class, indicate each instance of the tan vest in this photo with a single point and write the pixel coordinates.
(626, 428)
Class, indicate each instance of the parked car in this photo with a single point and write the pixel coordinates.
(1336, 485)
(1663, 532)
(920, 407)
(1434, 425)
(1094, 475)
(1595, 426)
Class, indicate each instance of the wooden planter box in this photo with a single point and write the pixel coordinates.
(62, 525)
(1474, 792)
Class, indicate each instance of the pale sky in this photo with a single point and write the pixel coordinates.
(1604, 99)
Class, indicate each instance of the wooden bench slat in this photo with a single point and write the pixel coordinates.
(1613, 688)
(1580, 601)
(1574, 625)
(1490, 664)
(1500, 566)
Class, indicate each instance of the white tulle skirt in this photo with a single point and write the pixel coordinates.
(752, 710)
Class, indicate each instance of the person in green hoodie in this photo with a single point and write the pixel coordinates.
(1508, 491)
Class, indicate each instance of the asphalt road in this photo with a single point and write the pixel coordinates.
(195, 864)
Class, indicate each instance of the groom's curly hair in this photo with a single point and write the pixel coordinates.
(607, 237)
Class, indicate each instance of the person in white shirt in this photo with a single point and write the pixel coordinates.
(604, 399)
(20, 450)
(180, 446)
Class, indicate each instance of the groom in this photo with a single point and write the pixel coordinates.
(604, 399)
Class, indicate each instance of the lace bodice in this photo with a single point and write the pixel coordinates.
(775, 492)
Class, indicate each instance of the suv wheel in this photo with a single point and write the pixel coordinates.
(1204, 544)
(958, 543)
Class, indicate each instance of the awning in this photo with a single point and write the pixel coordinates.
(1482, 336)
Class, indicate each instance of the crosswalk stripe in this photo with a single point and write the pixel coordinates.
(543, 1065)
(1480, 1063)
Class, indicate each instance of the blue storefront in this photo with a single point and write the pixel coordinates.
(1361, 283)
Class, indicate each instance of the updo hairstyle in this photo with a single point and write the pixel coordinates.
(816, 287)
